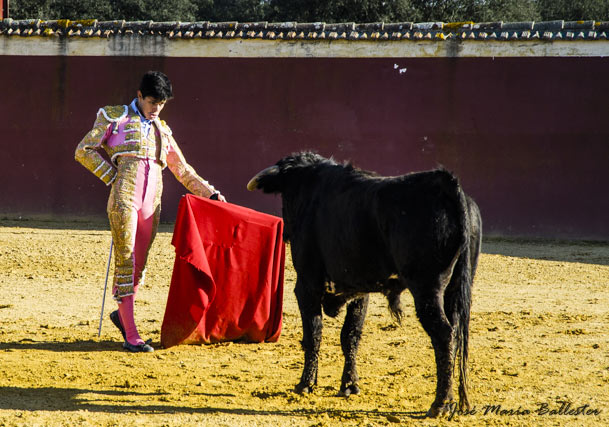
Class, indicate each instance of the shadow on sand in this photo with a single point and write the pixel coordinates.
(77, 399)
(78, 224)
(88, 346)
(587, 252)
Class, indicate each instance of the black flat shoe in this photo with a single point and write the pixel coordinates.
(117, 322)
(138, 348)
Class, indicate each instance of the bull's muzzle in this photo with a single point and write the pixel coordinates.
(253, 183)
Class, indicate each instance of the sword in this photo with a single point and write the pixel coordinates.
(101, 316)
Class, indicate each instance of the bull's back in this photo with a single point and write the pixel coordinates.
(368, 229)
(420, 216)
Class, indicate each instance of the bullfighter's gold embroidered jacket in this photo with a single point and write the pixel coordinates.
(118, 130)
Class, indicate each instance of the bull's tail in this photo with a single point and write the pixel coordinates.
(458, 295)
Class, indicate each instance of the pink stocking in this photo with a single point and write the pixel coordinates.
(125, 312)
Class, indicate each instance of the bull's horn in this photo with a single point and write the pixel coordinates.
(253, 183)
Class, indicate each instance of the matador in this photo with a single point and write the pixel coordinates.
(138, 146)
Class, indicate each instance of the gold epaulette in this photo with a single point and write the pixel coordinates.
(114, 113)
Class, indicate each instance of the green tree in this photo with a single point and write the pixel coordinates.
(569, 10)
(60, 9)
(81, 9)
(231, 10)
(477, 10)
(163, 10)
(447, 10)
(342, 10)
(30, 9)
(105, 10)
(509, 10)
(330, 11)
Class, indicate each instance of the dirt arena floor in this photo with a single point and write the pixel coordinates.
(539, 346)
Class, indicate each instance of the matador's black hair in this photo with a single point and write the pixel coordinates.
(157, 85)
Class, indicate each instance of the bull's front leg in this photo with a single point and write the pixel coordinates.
(349, 339)
(310, 311)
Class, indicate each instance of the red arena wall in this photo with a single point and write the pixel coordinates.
(527, 136)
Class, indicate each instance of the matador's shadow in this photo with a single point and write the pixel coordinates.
(62, 347)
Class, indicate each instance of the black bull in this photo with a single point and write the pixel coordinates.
(353, 232)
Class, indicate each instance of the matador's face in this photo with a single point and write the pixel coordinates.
(149, 106)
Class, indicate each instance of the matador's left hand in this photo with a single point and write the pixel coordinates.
(218, 196)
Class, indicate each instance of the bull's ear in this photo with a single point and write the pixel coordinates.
(270, 171)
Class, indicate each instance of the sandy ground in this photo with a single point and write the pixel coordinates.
(539, 343)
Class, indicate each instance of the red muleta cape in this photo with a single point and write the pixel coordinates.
(227, 281)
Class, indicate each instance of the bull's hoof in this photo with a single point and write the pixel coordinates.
(437, 411)
(302, 388)
(348, 391)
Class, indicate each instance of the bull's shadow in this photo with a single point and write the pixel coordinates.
(587, 252)
(77, 399)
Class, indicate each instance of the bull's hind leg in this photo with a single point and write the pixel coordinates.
(309, 304)
(349, 340)
(430, 310)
